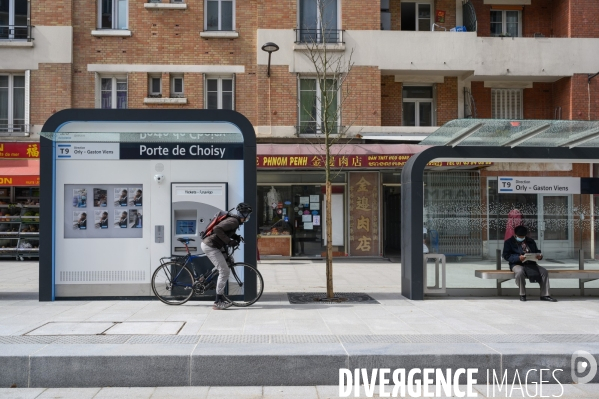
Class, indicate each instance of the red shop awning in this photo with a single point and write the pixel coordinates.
(357, 156)
(20, 172)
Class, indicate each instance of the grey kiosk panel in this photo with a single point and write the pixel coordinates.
(193, 206)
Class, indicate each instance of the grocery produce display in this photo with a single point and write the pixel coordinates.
(19, 231)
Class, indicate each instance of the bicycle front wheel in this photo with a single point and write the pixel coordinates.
(242, 289)
(172, 283)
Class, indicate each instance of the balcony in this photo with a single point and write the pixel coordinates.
(314, 128)
(439, 53)
(16, 33)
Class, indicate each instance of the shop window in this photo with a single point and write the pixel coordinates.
(113, 14)
(113, 92)
(12, 103)
(220, 15)
(219, 93)
(318, 22)
(155, 86)
(506, 23)
(315, 99)
(13, 19)
(506, 103)
(418, 106)
(177, 87)
(416, 16)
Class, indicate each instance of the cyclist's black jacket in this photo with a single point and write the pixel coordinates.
(222, 232)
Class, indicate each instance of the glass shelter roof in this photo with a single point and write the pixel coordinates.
(512, 133)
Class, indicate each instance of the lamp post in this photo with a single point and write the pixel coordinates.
(269, 47)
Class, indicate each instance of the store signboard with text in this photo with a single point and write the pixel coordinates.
(363, 214)
(347, 161)
(17, 150)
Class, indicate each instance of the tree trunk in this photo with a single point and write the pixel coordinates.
(329, 224)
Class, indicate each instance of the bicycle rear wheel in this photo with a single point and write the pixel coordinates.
(240, 293)
(172, 283)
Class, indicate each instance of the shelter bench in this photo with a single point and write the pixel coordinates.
(584, 276)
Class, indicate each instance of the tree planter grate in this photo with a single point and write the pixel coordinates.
(320, 298)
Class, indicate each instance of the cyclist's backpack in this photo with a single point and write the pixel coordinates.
(216, 219)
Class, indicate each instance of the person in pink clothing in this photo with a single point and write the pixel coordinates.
(514, 219)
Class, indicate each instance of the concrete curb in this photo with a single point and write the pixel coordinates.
(250, 364)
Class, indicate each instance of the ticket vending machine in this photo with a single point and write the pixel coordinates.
(193, 207)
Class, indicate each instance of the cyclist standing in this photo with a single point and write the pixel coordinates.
(224, 234)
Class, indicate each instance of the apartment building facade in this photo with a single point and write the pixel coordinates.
(413, 71)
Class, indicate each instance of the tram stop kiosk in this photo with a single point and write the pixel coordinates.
(118, 187)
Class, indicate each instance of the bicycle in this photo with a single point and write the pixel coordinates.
(175, 281)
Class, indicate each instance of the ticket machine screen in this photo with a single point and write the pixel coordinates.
(186, 227)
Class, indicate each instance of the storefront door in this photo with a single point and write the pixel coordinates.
(392, 217)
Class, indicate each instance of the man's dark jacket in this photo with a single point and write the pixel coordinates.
(512, 249)
(222, 232)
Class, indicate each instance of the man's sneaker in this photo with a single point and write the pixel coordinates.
(222, 305)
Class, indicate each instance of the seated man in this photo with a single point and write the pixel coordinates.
(514, 249)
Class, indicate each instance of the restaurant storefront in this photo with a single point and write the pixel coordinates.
(366, 200)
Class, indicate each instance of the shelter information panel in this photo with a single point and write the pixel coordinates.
(103, 211)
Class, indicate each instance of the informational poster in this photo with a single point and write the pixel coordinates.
(306, 218)
(113, 211)
(304, 200)
(315, 206)
(315, 198)
(316, 220)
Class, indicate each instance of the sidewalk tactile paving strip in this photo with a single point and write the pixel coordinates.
(440, 339)
(571, 338)
(27, 340)
(92, 339)
(369, 339)
(234, 339)
(164, 339)
(304, 339)
(508, 338)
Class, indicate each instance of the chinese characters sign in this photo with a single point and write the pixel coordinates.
(363, 214)
(346, 161)
(19, 150)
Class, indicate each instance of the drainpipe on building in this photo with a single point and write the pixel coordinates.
(590, 77)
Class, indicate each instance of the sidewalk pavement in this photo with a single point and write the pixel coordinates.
(144, 343)
(589, 391)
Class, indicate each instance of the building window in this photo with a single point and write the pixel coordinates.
(177, 87)
(219, 93)
(416, 16)
(113, 93)
(318, 22)
(13, 19)
(418, 106)
(506, 23)
(112, 14)
(12, 103)
(155, 86)
(313, 105)
(506, 103)
(220, 15)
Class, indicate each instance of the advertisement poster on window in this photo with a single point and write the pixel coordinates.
(114, 211)
(440, 16)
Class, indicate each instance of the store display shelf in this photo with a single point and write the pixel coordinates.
(9, 234)
(21, 250)
(29, 233)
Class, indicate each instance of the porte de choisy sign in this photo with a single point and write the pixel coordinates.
(95, 151)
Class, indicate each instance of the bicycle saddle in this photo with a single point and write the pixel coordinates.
(185, 240)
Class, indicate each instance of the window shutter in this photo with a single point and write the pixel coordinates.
(98, 93)
(27, 100)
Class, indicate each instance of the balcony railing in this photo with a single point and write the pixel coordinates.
(318, 36)
(15, 32)
(17, 129)
(315, 128)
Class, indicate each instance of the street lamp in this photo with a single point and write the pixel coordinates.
(269, 47)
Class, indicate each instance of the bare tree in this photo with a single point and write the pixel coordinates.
(322, 114)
